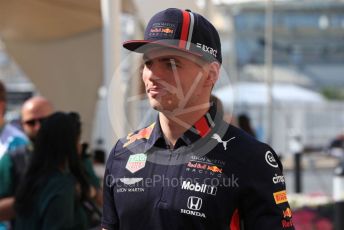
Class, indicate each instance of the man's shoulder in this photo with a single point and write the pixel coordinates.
(243, 136)
(245, 143)
(249, 149)
(11, 138)
(10, 130)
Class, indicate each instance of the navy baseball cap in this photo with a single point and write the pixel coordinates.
(183, 30)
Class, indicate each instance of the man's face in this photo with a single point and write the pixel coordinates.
(174, 80)
(32, 116)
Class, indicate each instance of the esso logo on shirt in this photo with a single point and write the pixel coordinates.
(270, 159)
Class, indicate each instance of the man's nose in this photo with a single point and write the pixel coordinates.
(155, 72)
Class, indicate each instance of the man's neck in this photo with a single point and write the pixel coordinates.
(173, 127)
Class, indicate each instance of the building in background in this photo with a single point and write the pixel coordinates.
(18, 86)
(308, 53)
(308, 56)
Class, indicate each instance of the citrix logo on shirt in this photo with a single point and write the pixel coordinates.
(203, 188)
(278, 179)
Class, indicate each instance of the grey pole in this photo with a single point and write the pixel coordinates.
(298, 172)
(269, 65)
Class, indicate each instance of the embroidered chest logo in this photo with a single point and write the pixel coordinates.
(218, 138)
(136, 162)
(130, 181)
(194, 204)
(204, 165)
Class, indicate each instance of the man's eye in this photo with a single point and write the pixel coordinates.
(148, 63)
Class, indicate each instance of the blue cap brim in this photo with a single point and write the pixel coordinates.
(141, 46)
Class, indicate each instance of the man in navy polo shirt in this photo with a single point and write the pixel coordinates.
(190, 169)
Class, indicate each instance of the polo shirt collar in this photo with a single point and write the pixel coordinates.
(198, 130)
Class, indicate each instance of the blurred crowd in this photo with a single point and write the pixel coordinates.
(47, 180)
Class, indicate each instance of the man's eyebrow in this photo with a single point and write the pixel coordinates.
(169, 58)
(176, 59)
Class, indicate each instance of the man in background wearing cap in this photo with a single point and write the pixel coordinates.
(189, 169)
(14, 161)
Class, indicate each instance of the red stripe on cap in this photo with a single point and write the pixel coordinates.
(185, 30)
(235, 221)
(202, 127)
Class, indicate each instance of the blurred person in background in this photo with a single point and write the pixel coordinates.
(244, 123)
(11, 139)
(34, 110)
(54, 185)
(95, 201)
(87, 163)
(336, 147)
(10, 136)
(99, 152)
(15, 161)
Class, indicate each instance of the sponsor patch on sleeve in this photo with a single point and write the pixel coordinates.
(287, 213)
(280, 197)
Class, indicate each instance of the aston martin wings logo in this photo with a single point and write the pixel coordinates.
(218, 138)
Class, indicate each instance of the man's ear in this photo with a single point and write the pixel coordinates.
(213, 74)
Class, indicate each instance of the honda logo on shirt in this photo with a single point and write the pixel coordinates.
(194, 203)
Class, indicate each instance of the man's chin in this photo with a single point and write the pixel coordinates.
(167, 103)
(162, 108)
(157, 107)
